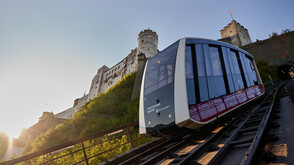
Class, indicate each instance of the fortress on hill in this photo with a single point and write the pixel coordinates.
(147, 46)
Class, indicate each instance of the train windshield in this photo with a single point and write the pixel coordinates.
(161, 69)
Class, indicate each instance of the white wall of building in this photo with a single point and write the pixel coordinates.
(67, 114)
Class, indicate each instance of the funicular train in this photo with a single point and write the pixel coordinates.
(193, 82)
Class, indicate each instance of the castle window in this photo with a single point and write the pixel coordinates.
(118, 67)
(142, 40)
(115, 69)
(244, 37)
(95, 87)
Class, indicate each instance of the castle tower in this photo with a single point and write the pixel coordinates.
(235, 34)
(147, 43)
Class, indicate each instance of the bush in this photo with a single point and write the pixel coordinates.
(108, 110)
(265, 70)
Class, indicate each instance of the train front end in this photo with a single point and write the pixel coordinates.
(157, 93)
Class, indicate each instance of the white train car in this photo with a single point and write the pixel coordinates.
(193, 82)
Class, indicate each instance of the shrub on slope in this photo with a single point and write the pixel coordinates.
(108, 110)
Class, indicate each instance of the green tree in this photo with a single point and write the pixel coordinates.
(4, 140)
(265, 70)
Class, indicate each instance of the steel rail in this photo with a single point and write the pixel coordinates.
(204, 147)
(137, 158)
(255, 126)
(254, 146)
(158, 157)
(137, 151)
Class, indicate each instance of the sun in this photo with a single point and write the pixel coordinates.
(12, 133)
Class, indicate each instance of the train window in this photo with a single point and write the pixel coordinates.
(160, 69)
(202, 80)
(242, 56)
(226, 51)
(215, 78)
(249, 70)
(237, 78)
(190, 76)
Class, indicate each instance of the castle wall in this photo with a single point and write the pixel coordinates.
(97, 82)
(235, 40)
(107, 77)
(229, 30)
(243, 35)
(67, 114)
(95, 85)
(276, 51)
(82, 101)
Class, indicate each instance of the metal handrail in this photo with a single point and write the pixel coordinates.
(74, 142)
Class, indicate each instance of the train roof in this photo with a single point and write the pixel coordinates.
(213, 42)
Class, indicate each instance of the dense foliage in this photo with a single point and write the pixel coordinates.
(265, 70)
(108, 110)
(4, 139)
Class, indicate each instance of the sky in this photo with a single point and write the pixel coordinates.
(50, 50)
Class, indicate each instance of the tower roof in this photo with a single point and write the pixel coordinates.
(231, 23)
(149, 32)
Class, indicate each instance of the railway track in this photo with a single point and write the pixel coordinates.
(234, 142)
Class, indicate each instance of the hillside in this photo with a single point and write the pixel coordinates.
(108, 110)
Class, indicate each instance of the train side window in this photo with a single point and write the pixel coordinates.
(202, 80)
(190, 85)
(249, 70)
(228, 69)
(245, 70)
(215, 78)
(237, 78)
